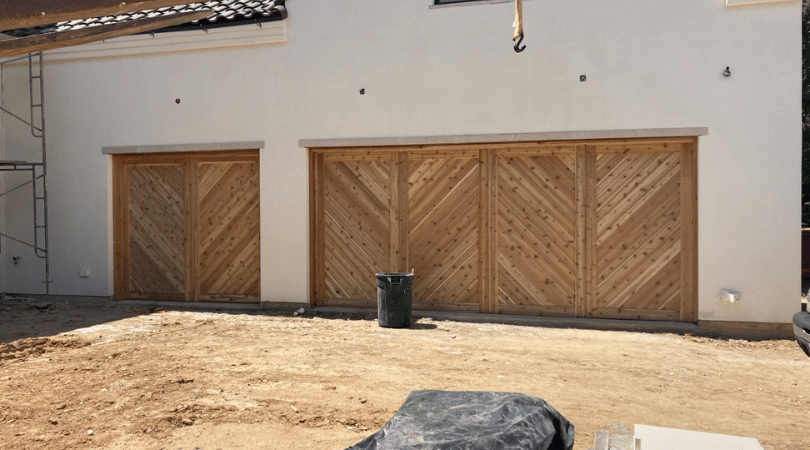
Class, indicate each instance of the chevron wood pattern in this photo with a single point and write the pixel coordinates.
(229, 237)
(156, 232)
(572, 228)
(356, 227)
(638, 233)
(536, 233)
(186, 226)
(443, 229)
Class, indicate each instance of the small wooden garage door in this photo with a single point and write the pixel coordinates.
(585, 229)
(187, 226)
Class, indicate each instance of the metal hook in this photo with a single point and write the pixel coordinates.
(517, 43)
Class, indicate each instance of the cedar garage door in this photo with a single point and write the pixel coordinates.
(187, 226)
(583, 229)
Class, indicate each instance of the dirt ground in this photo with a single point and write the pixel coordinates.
(222, 379)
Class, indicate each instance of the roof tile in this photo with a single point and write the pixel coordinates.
(224, 11)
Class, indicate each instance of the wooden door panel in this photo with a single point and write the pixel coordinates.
(443, 231)
(638, 234)
(157, 263)
(536, 233)
(228, 230)
(356, 228)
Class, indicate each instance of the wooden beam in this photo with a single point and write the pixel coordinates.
(399, 212)
(313, 229)
(589, 294)
(493, 253)
(121, 228)
(191, 230)
(689, 233)
(581, 235)
(50, 41)
(29, 13)
(319, 226)
(485, 231)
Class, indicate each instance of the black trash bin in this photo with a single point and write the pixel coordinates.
(394, 299)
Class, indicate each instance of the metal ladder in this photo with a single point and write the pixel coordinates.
(36, 85)
(38, 170)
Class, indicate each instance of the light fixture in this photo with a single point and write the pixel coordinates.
(727, 72)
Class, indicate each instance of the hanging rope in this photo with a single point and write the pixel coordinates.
(517, 39)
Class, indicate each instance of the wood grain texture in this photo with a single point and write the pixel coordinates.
(638, 230)
(156, 229)
(487, 302)
(314, 161)
(399, 213)
(581, 238)
(443, 227)
(121, 228)
(17, 14)
(537, 250)
(689, 232)
(228, 229)
(356, 226)
(60, 39)
(589, 262)
(319, 265)
(191, 231)
(580, 228)
(187, 226)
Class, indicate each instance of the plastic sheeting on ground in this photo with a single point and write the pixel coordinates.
(447, 420)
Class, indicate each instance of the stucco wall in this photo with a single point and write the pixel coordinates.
(450, 71)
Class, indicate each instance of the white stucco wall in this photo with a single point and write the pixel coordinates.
(450, 71)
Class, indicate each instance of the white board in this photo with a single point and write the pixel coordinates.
(658, 438)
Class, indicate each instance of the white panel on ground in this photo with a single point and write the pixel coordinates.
(658, 438)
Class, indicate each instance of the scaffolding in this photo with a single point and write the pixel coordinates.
(37, 171)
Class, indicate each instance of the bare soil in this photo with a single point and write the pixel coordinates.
(220, 380)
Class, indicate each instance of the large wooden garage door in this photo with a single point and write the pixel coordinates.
(186, 226)
(585, 229)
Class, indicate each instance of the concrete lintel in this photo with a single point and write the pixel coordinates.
(217, 146)
(469, 3)
(506, 137)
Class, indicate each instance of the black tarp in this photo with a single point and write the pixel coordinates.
(447, 420)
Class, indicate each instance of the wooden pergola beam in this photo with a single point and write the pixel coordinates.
(29, 13)
(50, 41)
